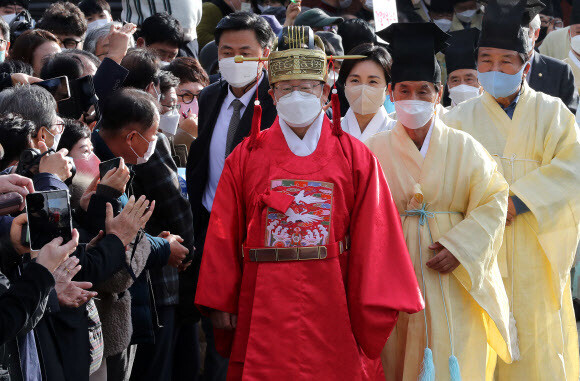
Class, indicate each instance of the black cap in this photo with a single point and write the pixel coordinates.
(441, 6)
(460, 52)
(503, 23)
(575, 15)
(316, 18)
(413, 47)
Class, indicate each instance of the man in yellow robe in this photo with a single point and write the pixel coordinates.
(453, 204)
(557, 43)
(535, 141)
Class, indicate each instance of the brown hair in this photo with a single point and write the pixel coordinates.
(188, 69)
(26, 44)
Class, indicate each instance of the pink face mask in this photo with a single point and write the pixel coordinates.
(193, 107)
(88, 166)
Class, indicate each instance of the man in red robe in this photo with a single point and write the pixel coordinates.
(305, 267)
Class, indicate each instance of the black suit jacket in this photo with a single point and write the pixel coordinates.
(553, 77)
(210, 103)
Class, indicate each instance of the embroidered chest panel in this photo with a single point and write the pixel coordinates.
(307, 221)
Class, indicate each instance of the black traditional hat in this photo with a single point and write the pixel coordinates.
(460, 52)
(441, 6)
(413, 47)
(575, 15)
(503, 24)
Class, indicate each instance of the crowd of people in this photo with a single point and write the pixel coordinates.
(277, 190)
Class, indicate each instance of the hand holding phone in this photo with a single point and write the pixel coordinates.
(58, 87)
(117, 177)
(49, 217)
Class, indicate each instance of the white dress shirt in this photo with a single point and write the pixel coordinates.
(217, 146)
(306, 145)
(425, 146)
(379, 123)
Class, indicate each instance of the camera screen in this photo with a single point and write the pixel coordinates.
(49, 217)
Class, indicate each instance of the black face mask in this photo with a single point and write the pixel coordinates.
(543, 33)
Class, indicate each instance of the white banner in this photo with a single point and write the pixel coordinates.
(385, 12)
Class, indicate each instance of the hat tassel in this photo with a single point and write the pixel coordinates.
(335, 103)
(256, 122)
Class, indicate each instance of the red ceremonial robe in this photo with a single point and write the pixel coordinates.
(315, 319)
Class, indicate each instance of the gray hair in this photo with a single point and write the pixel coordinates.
(535, 24)
(95, 35)
(31, 102)
(5, 29)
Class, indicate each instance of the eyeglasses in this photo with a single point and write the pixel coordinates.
(171, 107)
(3, 43)
(59, 127)
(71, 43)
(187, 97)
(305, 88)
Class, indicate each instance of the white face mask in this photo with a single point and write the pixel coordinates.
(365, 99)
(575, 43)
(55, 139)
(298, 109)
(238, 74)
(466, 16)
(414, 114)
(169, 121)
(9, 18)
(246, 7)
(97, 24)
(150, 150)
(443, 24)
(462, 93)
(262, 8)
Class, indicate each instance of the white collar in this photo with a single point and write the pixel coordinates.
(306, 145)
(573, 58)
(246, 98)
(380, 122)
(425, 146)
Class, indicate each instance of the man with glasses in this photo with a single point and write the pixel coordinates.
(557, 43)
(4, 40)
(305, 266)
(66, 21)
(10, 8)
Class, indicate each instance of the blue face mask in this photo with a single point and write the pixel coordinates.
(500, 85)
(2, 56)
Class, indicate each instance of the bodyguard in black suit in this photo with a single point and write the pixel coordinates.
(553, 77)
(226, 109)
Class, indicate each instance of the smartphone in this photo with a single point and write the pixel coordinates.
(58, 87)
(83, 99)
(49, 217)
(106, 166)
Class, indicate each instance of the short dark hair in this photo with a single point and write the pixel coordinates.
(31, 102)
(72, 133)
(355, 32)
(22, 3)
(83, 56)
(246, 21)
(127, 106)
(374, 53)
(62, 64)
(63, 18)
(167, 81)
(15, 136)
(143, 66)
(15, 66)
(188, 69)
(26, 44)
(161, 27)
(91, 7)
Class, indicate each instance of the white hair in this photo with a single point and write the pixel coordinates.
(535, 24)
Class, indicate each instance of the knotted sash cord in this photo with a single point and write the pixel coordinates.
(428, 371)
(513, 330)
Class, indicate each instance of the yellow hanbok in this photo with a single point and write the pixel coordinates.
(455, 196)
(538, 152)
(556, 44)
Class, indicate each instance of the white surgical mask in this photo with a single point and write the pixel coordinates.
(246, 7)
(9, 18)
(462, 93)
(238, 74)
(466, 16)
(169, 121)
(148, 153)
(414, 114)
(365, 99)
(55, 139)
(298, 109)
(443, 24)
(97, 24)
(262, 8)
(575, 43)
